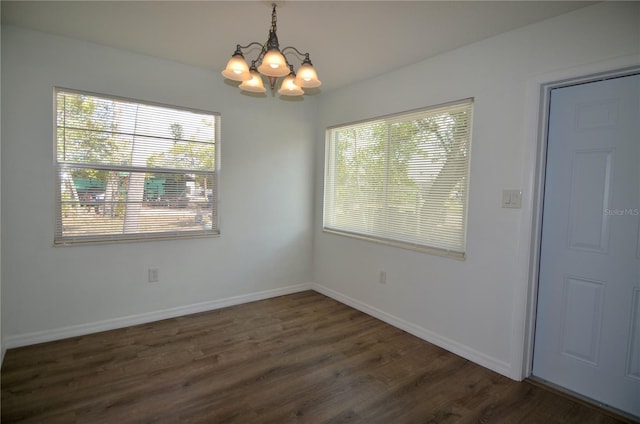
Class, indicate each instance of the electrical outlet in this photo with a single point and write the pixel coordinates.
(383, 277)
(153, 275)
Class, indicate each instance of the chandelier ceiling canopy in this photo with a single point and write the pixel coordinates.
(273, 64)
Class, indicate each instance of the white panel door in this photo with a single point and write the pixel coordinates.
(587, 335)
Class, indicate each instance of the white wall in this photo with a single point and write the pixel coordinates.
(265, 208)
(468, 306)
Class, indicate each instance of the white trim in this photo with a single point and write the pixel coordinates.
(524, 300)
(112, 324)
(464, 351)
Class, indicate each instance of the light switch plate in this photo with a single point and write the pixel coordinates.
(512, 199)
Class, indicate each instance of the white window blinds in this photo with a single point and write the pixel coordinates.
(402, 179)
(127, 170)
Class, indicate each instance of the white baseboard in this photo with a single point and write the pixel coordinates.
(466, 352)
(112, 324)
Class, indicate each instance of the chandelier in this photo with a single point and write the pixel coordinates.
(273, 64)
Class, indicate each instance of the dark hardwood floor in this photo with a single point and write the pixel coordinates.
(302, 358)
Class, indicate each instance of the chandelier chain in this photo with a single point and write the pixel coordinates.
(274, 18)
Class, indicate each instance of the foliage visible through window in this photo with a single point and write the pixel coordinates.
(402, 179)
(128, 170)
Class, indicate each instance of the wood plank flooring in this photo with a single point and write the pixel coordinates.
(301, 358)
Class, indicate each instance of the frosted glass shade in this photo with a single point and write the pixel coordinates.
(274, 64)
(255, 84)
(307, 77)
(237, 69)
(289, 87)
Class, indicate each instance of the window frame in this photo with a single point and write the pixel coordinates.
(138, 236)
(330, 155)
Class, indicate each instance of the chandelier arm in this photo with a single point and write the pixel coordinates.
(294, 49)
(263, 50)
(253, 43)
(262, 53)
(289, 65)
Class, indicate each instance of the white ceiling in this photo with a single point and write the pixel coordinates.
(348, 40)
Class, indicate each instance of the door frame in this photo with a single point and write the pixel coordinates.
(534, 161)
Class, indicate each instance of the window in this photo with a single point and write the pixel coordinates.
(402, 179)
(128, 170)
